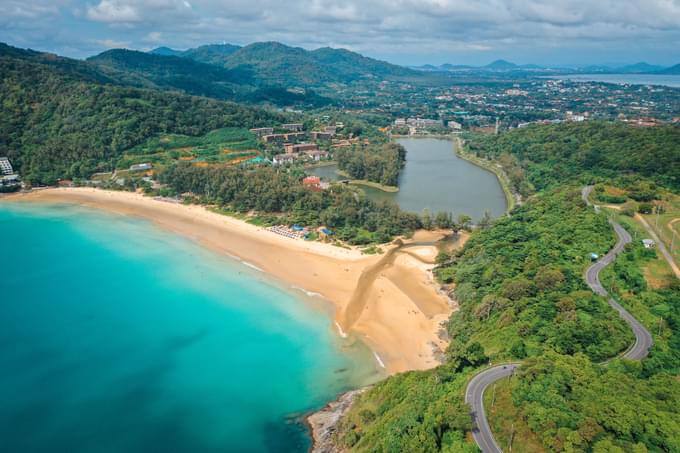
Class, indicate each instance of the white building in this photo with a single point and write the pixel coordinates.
(281, 159)
(571, 116)
(5, 166)
(140, 167)
(9, 180)
(424, 122)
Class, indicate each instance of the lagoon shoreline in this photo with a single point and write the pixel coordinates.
(398, 313)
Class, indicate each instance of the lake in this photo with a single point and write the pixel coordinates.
(116, 336)
(621, 79)
(434, 177)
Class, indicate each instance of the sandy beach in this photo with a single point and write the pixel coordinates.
(388, 301)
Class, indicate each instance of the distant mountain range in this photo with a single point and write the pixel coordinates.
(501, 66)
(673, 70)
(276, 63)
(265, 72)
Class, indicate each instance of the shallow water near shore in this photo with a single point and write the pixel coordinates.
(117, 336)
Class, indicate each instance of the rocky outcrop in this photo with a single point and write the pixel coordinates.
(324, 423)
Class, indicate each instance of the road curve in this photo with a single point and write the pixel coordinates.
(474, 394)
(643, 339)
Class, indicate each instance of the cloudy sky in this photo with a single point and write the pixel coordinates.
(400, 31)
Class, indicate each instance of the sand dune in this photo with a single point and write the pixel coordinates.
(389, 301)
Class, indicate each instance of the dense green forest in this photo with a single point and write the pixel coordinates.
(278, 64)
(539, 156)
(61, 119)
(274, 191)
(148, 70)
(522, 296)
(378, 163)
(520, 284)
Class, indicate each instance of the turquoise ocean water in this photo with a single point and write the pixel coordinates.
(116, 336)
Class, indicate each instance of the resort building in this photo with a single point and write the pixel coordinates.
(5, 166)
(295, 127)
(424, 122)
(281, 159)
(315, 183)
(294, 136)
(9, 180)
(316, 155)
(311, 181)
(300, 147)
(322, 136)
(140, 167)
(273, 138)
(280, 138)
(261, 131)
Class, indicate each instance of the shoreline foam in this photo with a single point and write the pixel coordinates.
(402, 330)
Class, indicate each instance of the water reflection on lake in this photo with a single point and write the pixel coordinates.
(435, 178)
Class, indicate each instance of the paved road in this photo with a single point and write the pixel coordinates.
(474, 394)
(643, 339)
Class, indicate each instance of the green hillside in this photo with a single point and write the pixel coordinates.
(521, 295)
(276, 63)
(211, 53)
(149, 70)
(574, 152)
(62, 118)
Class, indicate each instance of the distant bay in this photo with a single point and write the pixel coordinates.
(667, 80)
(117, 336)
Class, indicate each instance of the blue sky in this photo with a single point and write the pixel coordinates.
(400, 31)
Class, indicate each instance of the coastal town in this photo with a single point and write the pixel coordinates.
(517, 102)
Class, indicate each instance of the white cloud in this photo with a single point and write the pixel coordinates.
(112, 43)
(113, 11)
(155, 37)
(414, 27)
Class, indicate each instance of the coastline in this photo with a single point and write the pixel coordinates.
(400, 307)
(323, 424)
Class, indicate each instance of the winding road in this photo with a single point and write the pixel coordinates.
(474, 394)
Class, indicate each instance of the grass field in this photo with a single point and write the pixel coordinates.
(506, 421)
(227, 145)
(657, 272)
(668, 222)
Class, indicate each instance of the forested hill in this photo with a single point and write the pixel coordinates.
(149, 70)
(570, 152)
(276, 63)
(169, 71)
(62, 118)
